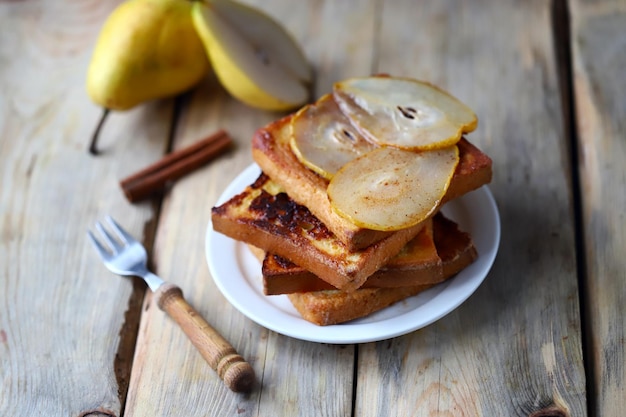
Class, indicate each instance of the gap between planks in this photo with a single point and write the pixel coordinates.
(125, 354)
(562, 36)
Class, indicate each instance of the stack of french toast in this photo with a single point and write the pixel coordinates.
(346, 212)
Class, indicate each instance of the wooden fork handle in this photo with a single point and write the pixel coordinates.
(236, 373)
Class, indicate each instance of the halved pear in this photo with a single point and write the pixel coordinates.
(323, 139)
(391, 189)
(404, 113)
(253, 56)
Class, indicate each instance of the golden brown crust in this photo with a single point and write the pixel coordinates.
(307, 243)
(455, 247)
(427, 259)
(472, 172)
(271, 151)
(417, 263)
(332, 307)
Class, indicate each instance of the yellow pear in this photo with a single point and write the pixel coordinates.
(147, 49)
(253, 56)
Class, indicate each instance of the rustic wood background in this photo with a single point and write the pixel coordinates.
(544, 334)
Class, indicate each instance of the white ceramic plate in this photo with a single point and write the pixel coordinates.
(237, 274)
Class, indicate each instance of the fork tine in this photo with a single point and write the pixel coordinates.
(102, 251)
(113, 244)
(123, 234)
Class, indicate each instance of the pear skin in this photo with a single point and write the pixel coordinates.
(253, 56)
(147, 49)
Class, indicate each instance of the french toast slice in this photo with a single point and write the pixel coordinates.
(272, 152)
(263, 215)
(323, 308)
(417, 263)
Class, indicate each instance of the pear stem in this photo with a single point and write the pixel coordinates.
(94, 138)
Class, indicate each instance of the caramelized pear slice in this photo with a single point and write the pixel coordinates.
(404, 113)
(392, 189)
(323, 139)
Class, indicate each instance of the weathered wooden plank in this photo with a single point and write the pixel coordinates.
(63, 345)
(304, 378)
(163, 351)
(514, 347)
(293, 375)
(599, 59)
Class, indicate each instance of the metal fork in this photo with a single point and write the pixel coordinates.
(124, 255)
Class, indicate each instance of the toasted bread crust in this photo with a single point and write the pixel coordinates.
(271, 151)
(262, 216)
(417, 263)
(333, 307)
(455, 247)
(323, 308)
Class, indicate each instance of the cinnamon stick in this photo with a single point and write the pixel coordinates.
(177, 164)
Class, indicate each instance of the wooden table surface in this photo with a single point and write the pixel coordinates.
(542, 336)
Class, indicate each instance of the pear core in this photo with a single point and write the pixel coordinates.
(404, 113)
(323, 138)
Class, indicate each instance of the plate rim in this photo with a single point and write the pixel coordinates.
(359, 331)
